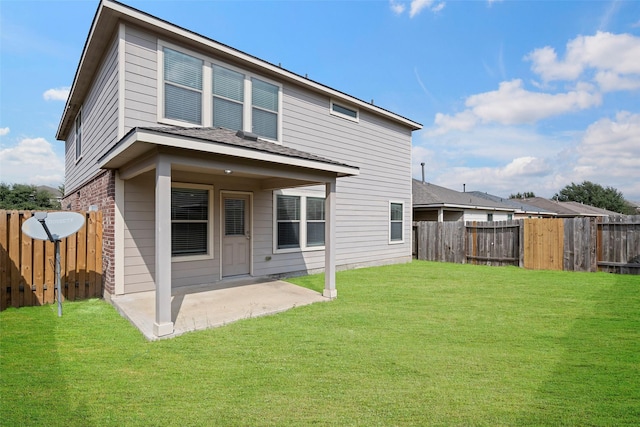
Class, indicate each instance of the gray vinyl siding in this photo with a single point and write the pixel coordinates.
(382, 151)
(99, 122)
(379, 147)
(141, 73)
(139, 234)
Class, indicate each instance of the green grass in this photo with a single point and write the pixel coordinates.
(417, 344)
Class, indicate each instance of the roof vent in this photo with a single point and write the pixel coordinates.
(247, 135)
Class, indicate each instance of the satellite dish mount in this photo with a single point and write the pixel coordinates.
(60, 225)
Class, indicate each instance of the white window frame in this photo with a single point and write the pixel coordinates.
(77, 136)
(394, 202)
(303, 219)
(209, 254)
(207, 91)
(206, 86)
(333, 112)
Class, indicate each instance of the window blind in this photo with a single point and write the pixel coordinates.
(189, 221)
(264, 99)
(183, 86)
(234, 217)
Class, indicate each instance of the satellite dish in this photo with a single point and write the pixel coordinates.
(60, 225)
(53, 227)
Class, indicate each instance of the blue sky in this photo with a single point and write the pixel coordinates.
(514, 95)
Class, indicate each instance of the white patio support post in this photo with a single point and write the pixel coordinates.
(330, 241)
(163, 324)
(440, 215)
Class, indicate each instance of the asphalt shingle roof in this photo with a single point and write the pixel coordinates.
(517, 204)
(427, 194)
(570, 209)
(229, 137)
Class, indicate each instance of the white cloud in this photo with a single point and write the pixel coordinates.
(609, 81)
(614, 54)
(511, 104)
(58, 94)
(4, 131)
(610, 150)
(418, 5)
(463, 121)
(32, 161)
(503, 160)
(396, 7)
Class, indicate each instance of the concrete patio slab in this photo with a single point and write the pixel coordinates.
(208, 306)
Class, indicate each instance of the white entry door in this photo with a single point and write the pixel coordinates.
(236, 235)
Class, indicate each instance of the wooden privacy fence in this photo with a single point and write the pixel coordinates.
(27, 271)
(572, 244)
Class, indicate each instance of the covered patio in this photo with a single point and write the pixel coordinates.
(201, 307)
(266, 165)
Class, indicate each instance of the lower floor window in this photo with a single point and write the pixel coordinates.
(396, 221)
(299, 222)
(189, 221)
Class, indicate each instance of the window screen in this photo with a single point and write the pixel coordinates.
(228, 98)
(315, 221)
(264, 98)
(183, 86)
(189, 221)
(344, 111)
(396, 222)
(79, 136)
(288, 222)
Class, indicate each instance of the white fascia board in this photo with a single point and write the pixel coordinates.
(227, 50)
(451, 205)
(163, 140)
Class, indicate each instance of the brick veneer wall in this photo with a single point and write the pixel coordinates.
(100, 192)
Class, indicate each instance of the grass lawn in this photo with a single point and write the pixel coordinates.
(416, 344)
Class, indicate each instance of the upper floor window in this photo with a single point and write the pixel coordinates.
(78, 135)
(489, 217)
(264, 112)
(182, 86)
(228, 98)
(344, 112)
(195, 90)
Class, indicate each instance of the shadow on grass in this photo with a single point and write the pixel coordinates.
(596, 382)
(31, 383)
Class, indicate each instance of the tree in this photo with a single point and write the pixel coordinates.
(525, 195)
(25, 197)
(596, 195)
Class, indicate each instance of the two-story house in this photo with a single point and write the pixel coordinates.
(210, 163)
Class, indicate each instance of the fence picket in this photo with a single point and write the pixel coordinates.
(574, 244)
(26, 265)
(27, 270)
(4, 261)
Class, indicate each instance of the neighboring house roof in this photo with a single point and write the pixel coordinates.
(427, 195)
(568, 209)
(215, 140)
(634, 205)
(517, 204)
(54, 192)
(105, 23)
(587, 209)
